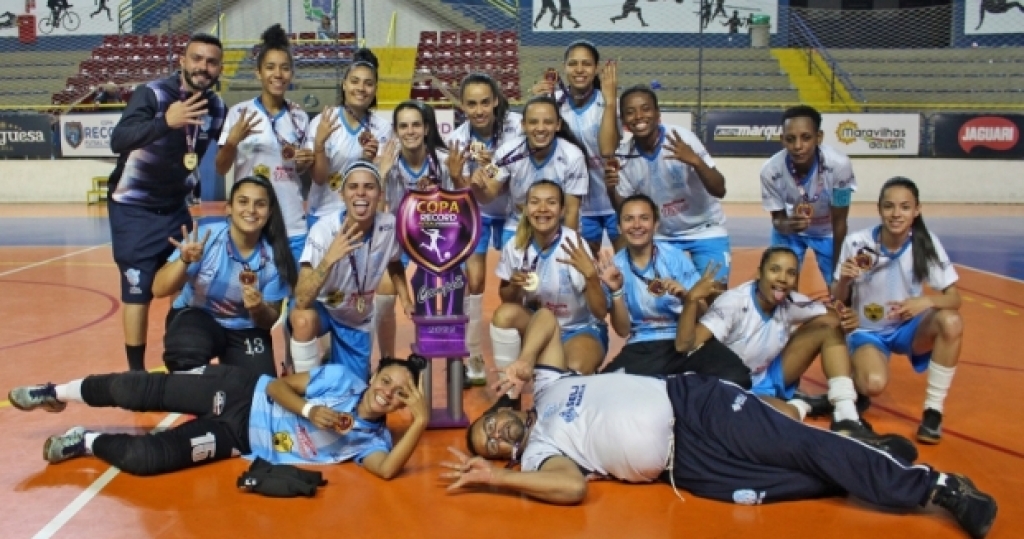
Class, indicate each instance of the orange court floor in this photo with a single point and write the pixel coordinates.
(60, 310)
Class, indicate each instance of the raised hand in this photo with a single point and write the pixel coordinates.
(543, 87)
(609, 81)
(456, 163)
(413, 399)
(304, 159)
(706, 287)
(611, 173)
(190, 247)
(467, 471)
(348, 239)
(579, 258)
(517, 375)
(609, 273)
(850, 269)
(245, 126)
(187, 112)
(328, 125)
(389, 156)
(679, 150)
(370, 145)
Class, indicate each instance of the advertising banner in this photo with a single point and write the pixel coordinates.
(87, 135)
(671, 16)
(25, 135)
(995, 136)
(750, 134)
(873, 134)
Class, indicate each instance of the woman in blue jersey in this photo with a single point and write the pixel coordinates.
(325, 416)
(233, 276)
(647, 283)
(585, 109)
(489, 124)
(882, 277)
(345, 258)
(546, 265)
(669, 164)
(547, 150)
(264, 136)
(344, 134)
(415, 159)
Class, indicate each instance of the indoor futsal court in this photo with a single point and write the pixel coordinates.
(60, 295)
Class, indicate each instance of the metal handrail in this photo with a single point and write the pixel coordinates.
(814, 45)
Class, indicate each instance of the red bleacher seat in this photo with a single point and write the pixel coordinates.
(307, 36)
(150, 41)
(488, 37)
(111, 41)
(347, 37)
(428, 37)
(508, 37)
(468, 38)
(449, 39)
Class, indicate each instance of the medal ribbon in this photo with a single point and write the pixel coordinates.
(536, 260)
(814, 172)
(235, 255)
(288, 108)
(364, 122)
(352, 260)
(653, 264)
(519, 154)
(191, 131)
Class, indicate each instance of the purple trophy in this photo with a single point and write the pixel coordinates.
(439, 229)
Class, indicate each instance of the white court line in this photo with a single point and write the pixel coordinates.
(989, 273)
(54, 259)
(85, 497)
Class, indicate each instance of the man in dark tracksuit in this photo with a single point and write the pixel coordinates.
(165, 129)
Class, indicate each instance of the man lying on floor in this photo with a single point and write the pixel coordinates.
(706, 436)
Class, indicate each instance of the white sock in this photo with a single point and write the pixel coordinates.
(939, 380)
(70, 392)
(305, 355)
(802, 407)
(843, 397)
(506, 344)
(473, 307)
(90, 438)
(384, 323)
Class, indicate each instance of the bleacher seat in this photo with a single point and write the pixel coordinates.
(428, 38)
(307, 36)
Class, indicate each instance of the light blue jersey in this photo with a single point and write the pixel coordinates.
(654, 318)
(213, 281)
(585, 122)
(282, 437)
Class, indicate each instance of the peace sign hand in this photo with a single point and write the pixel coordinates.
(190, 247)
(706, 286)
(245, 126)
(609, 273)
(579, 258)
(681, 151)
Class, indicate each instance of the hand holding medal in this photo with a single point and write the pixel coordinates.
(190, 248)
(456, 163)
(612, 166)
(251, 296)
(369, 143)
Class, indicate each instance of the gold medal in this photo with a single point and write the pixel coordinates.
(344, 424)
(865, 259)
(491, 171)
(364, 137)
(191, 160)
(656, 287)
(804, 209)
(551, 75)
(476, 149)
(247, 277)
(532, 282)
(360, 305)
(288, 152)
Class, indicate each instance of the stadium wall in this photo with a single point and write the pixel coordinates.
(941, 180)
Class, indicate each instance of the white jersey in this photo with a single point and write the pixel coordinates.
(585, 123)
(342, 149)
(402, 178)
(563, 165)
(687, 210)
(892, 278)
(737, 321)
(832, 171)
(561, 286)
(260, 153)
(612, 424)
(463, 135)
(340, 293)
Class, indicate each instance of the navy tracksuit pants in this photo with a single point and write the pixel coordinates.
(731, 446)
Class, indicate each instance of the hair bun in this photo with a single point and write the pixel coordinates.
(275, 37)
(367, 56)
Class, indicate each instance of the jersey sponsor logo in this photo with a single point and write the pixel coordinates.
(219, 399)
(133, 276)
(335, 298)
(747, 133)
(73, 133)
(989, 132)
(746, 496)
(674, 208)
(569, 414)
(306, 446)
(282, 442)
(874, 312)
(737, 403)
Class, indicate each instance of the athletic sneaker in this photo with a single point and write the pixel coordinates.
(39, 396)
(69, 445)
(475, 373)
(974, 510)
(930, 431)
(894, 444)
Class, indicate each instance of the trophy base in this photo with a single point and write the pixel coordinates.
(453, 416)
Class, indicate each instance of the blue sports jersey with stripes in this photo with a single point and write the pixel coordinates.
(654, 318)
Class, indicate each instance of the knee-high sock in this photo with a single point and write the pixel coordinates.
(384, 323)
(939, 380)
(843, 397)
(473, 306)
(305, 355)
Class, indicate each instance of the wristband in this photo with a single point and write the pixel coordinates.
(618, 293)
(307, 409)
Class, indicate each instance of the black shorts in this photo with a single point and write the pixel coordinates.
(193, 337)
(139, 239)
(660, 358)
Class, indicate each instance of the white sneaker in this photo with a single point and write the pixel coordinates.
(475, 373)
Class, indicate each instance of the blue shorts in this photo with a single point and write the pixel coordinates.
(822, 247)
(138, 236)
(491, 232)
(297, 244)
(705, 251)
(772, 383)
(594, 226)
(900, 340)
(349, 347)
(598, 330)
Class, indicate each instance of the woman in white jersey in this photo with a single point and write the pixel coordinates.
(647, 283)
(808, 187)
(546, 265)
(547, 150)
(264, 136)
(232, 276)
(778, 333)
(669, 164)
(882, 276)
(345, 257)
(344, 134)
(415, 159)
(488, 125)
(584, 107)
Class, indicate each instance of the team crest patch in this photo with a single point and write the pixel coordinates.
(282, 442)
(874, 312)
(335, 298)
(261, 170)
(73, 133)
(334, 180)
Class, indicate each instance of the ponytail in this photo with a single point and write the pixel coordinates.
(923, 247)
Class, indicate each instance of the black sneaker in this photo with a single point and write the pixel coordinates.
(820, 405)
(974, 510)
(893, 444)
(930, 431)
(863, 403)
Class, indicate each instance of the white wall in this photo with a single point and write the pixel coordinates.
(940, 180)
